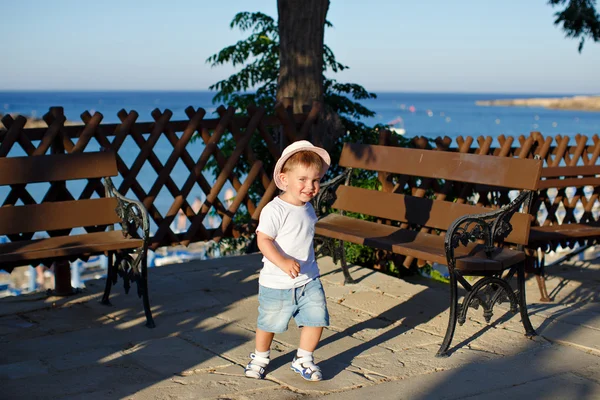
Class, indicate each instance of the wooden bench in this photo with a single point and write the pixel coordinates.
(59, 213)
(585, 232)
(473, 243)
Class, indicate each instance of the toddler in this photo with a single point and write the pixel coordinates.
(289, 284)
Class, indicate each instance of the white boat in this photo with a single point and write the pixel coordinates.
(397, 126)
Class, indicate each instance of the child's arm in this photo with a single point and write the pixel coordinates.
(266, 246)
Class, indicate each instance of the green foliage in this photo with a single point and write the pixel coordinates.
(256, 80)
(579, 19)
(428, 271)
(258, 56)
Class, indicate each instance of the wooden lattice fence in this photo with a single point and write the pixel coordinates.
(165, 148)
(150, 139)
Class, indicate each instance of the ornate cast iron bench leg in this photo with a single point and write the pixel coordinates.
(500, 288)
(133, 216)
(111, 279)
(529, 331)
(490, 228)
(347, 277)
(442, 352)
(540, 276)
(335, 249)
(149, 320)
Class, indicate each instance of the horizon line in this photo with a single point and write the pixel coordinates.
(545, 93)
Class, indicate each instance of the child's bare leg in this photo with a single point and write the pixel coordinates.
(264, 340)
(309, 337)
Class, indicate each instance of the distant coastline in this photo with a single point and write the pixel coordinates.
(582, 103)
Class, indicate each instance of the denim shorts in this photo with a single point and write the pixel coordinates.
(306, 304)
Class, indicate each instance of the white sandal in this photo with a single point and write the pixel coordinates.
(256, 367)
(307, 368)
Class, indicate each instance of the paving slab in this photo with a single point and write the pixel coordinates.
(478, 378)
(242, 312)
(41, 301)
(383, 365)
(23, 369)
(563, 386)
(332, 273)
(338, 293)
(438, 324)
(86, 380)
(128, 391)
(64, 319)
(590, 372)
(343, 318)
(382, 340)
(404, 340)
(61, 343)
(174, 356)
(84, 359)
(225, 383)
(344, 348)
(225, 338)
(13, 324)
(587, 315)
(336, 377)
(583, 338)
(373, 303)
(277, 393)
(409, 287)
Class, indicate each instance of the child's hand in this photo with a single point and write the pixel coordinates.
(290, 267)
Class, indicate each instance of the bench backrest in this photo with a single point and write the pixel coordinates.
(563, 177)
(57, 215)
(510, 173)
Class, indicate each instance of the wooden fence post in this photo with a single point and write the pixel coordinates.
(62, 269)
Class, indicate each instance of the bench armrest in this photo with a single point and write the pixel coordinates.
(133, 216)
(491, 227)
(323, 201)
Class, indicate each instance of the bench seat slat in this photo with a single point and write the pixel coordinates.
(509, 172)
(57, 215)
(418, 210)
(29, 251)
(57, 167)
(412, 243)
(544, 234)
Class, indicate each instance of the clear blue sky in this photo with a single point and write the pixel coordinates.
(390, 45)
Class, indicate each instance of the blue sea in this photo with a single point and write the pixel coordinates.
(422, 114)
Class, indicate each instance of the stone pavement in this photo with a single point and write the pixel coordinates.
(381, 344)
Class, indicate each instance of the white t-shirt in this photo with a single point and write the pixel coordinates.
(293, 228)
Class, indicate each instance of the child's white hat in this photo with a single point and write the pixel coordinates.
(301, 145)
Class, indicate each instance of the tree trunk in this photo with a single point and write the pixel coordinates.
(301, 35)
